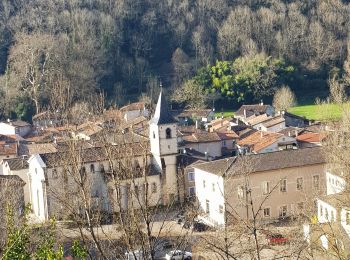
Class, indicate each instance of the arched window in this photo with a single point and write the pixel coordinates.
(168, 133)
(92, 168)
(102, 168)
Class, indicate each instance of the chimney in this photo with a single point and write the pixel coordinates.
(261, 134)
(206, 155)
(245, 113)
(289, 133)
(197, 126)
(296, 133)
(261, 102)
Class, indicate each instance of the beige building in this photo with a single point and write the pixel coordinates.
(278, 184)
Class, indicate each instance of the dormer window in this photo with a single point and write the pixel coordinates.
(168, 133)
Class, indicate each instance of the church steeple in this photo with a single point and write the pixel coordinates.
(162, 115)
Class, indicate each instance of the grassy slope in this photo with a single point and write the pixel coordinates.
(319, 113)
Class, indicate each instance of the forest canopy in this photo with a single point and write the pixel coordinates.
(70, 51)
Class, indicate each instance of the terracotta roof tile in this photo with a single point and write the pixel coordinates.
(16, 164)
(252, 109)
(259, 140)
(265, 161)
(8, 148)
(311, 137)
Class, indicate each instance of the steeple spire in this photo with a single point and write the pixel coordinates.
(162, 114)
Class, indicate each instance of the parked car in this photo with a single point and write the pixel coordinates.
(200, 226)
(178, 255)
(276, 239)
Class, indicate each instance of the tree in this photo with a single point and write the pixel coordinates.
(191, 94)
(337, 90)
(284, 99)
(30, 65)
(248, 77)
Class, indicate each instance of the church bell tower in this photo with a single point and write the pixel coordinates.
(163, 140)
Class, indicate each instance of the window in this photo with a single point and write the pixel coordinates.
(316, 182)
(347, 218)
(213, 187)
(203, 183)
(154, 187)
(321, 210)
(102, 168)
(92, 168)
(168, 133)
(191, 176)
(283, 211)
(224, 143)
(299, 183)
(240, 192)
(267, 212)
(332, 216)
(326, 213)
(54, 174)
(266, 187)
(207, 209)
(221, 209)
(191, 191)
(154, 135)
(283, 185)
(38, 201)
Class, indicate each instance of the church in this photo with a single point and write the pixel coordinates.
(116, 179)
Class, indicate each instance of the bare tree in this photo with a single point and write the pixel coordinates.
(30, 64)
(284, 98)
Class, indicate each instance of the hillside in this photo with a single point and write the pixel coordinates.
(54, 53)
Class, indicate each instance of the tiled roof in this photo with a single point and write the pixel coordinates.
(291, 131)
(259, 140)
(30, 149)
(252, 109)
(274, 121)
(254, 120)
(16, 164)
(265, 161)
(311, 137)
(11, 180)
(8, 148)
(229, 135)
(18, 123)
(186, 130)
(193, 113)
(93, 154)
(11, 138)
(202, 137)
(133, 106)
(218, 123)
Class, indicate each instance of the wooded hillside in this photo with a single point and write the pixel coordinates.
(78, 48)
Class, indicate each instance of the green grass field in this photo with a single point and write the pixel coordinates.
(322, 112)
(227, 113)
